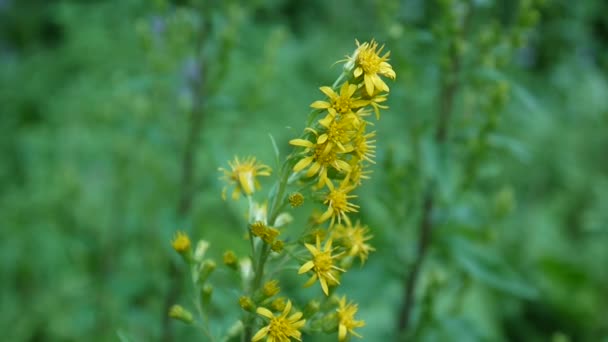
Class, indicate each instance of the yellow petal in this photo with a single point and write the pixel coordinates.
(320, 105)
(310, 281)
(369, 84)
(322, 138)
(342, 333)
(264, 312)
(358, 72)
(329, 92)
(324, 286)
(301, 142)
(302, 164)
(306, 267)
(260, 334)
(327, 214)
(379, 83)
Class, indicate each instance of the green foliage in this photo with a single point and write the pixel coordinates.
(96, 105)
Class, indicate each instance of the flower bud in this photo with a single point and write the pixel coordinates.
(179, 313)
(230, 259)
(247, 304)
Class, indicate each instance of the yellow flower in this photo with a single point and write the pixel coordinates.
(337, 202)
(354, 239)
(280, 328)
(296, 199)
(342, 103)
(181, 242)
(322, 264)
(371, 65)
(363, 145)
(357, 172)
(321, 158)
(242, 175)
(347, 322)
(339, 132)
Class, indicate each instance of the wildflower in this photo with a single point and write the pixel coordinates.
(258, 228)
(354, 239)
(357, 172)
(364, 147)
(347, 322)
(242, 175)
(337, 202)
(322, 264)
(181, 242)
(271, 288)
(178, 312)
(320, 160)
(338, 133)
(371, 65)
(296, 199)
(280, 328)
(269, 235)
(342, 103)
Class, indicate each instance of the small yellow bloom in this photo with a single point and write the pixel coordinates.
(342, 103)
(347, 322)
(296, 199)
(280, 328)
(242, 175)
(258, 228)
(371, 65)
(358, 172)
(364, 145)
(354, 239)
(338, 132)
(375, 101)
(338, 205)
(181, 242)
(319, 160)
(322, 264)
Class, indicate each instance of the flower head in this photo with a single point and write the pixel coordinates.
(280, 328)
(242, 175)
(346, 318)
(338, 205)
(342, 103)
(354, 239)
(321, 157)
(181, 242)
(368, 62)
(322, 264)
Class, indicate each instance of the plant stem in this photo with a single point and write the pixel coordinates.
(447, 94)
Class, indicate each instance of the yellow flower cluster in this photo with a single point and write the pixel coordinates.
(332, 159)
(338, 147)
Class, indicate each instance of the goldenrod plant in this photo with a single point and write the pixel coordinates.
(330, 159)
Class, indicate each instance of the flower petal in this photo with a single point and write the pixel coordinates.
(306, 267)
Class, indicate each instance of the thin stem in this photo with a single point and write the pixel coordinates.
(447, 95)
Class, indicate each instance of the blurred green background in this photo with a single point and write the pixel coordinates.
(103, 102)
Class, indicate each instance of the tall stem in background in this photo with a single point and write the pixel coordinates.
(447, 94)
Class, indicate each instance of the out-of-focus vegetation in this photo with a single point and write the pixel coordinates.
(96, 116)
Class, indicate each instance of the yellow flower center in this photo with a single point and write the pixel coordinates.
(323, 262)
(322, 157)
(342, 104)
(338, 200)
(336, 132)
(369, 61)
(280, 329)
